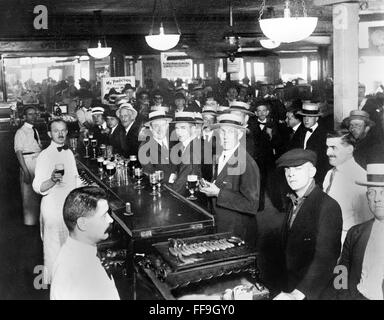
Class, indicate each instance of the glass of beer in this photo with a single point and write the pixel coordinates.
(160, 178)
(100, 161)
(94, 145)
(73, 144)
(111, 170)
(59, 168)
(191, 186)
(153, 181)
(139, 177)
(86, 145)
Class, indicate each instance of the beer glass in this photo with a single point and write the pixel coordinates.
(160, 178)
(94, 145)
(73, 144)
(86, 145)
(153, 181)
(111, 170)
(59, 168)
(100, 161)
(191, 186)
(139, 178)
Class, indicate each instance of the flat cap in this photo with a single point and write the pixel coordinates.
(296, 157)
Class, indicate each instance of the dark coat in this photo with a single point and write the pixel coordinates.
(102, 137)
(370, 149)
(186, 163)
(129, 142)
(194, 107)
(352, 258)
(153, 157)
(296, 139)
(312, 245)
(237, 203)
(114, 139)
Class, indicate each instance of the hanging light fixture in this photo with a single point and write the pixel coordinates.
(163, 41)
(231, 38)
(99, 52)
(269, 44)
(288, 29)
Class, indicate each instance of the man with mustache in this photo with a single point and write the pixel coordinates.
(339, 182)
(54, 187)
(78, 273)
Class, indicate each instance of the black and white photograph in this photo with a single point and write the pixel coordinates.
(187, 152)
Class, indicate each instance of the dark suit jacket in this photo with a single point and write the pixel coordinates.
(114, 139)
(129, 142)
(370, 149)
(186, 163)
(312, 245)
(102, 138)
(237, 203)
(153, 156)
(352, 258)
(297, 139)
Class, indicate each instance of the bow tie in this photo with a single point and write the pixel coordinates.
(262, 123)
(64, 147)
(309, 130)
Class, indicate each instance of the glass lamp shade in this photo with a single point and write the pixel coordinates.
(99, 52)
(162, 41)
(288, 29)
(269, 44)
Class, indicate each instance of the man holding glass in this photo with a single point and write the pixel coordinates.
(236, 182)
(55, 176)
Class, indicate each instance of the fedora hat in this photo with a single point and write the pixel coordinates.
(184, 116)
(375, 176)
(310, 110)
(359, 115)
(229, 119)
(156, 115)
(240, 106)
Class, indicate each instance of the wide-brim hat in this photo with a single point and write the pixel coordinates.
(160, 108)
(184, 116)
(97, 110)
(157, 115)
(198, 87)
(209, 109)
(359, 115)
(240, 106)
(222, 109)
(127, 106)
(375, 176)
(199, 118)
(296, 157)
(120, 99)
(229, 119)
(310, 110)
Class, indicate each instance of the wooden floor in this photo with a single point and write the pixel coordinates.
(21, 246)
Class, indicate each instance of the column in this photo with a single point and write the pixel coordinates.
(346, 59)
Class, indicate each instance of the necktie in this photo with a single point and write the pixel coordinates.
(64, 147)
(330, 180)
(35, 134)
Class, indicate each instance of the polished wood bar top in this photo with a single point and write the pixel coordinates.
(159, 215)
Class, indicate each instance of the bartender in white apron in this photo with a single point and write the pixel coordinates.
(27, 147)
(54, 185)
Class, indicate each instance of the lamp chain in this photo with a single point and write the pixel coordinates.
(261, 9)
(174, 16)
(153, 17)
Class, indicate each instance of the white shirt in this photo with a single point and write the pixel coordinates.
(163, 142)
(350, 196)
(308, 134)
(103, 126)
(113, 129)
(296, 127)
(129, 127)
(262, 125)
(79, 275)
(84, 115)
(224, 157)
(25, 140)
(372, 273)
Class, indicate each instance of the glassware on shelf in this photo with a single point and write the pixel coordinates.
(111, 170)
(153, 179)
(191, 186)
(94, 145)
(73, 145)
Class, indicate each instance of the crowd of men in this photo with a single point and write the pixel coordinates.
(236, 148)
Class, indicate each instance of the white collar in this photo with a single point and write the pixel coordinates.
(129, 127)
(296, 127)
(55, 145)
(314, 127)
(187, 142)
(28, 125)
(263, 121)
(229, 153)
(161, 142)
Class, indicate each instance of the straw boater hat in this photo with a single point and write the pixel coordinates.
(209, 109)
(229, 119)
(375, 176)
(359, 115)
(97, 110)
(184, 116)
(199, 118)
(240, 106)
(160, 108)
(310, 110)
(221, 109)
(156, 115)
(127, 106)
